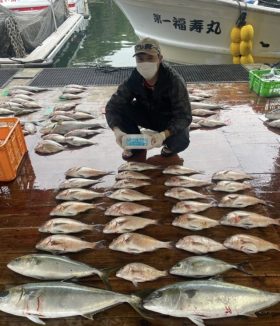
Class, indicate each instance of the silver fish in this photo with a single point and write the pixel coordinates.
(190, 206)
(131, 175)
(71, 208)
(76, 86)
(139, 272)
(19, 91)
(129, 195)
(195, 98)
(65, 106)
(82, 133)
(202, 266)
(85, 172)
(65, 226)
(125, 224)
(211, 123)
(55, 137)
(183, 193)
(205, 106)
(179, 170)
(231, 186)
(4, 111)
(82, 115)
(230, 175)
(30, 128)
(130, 184)
(249, 244)
(199, 245)
(25, 103)
(78, 141)
(273, 115)
(274, 123)
(77, 183)
(208, 299)
(194, 125)
(60, 300)
(202, 112)
(248, 220)
(60, 117)
(61, 243)
(23, 96)
(135, 243)
(33, 89)
(69, 96)
(66, 126)
(126, 208)
(48, 147)
(72, 90)
(182, 181)
(137, 166)
(78, 194)
(194, 222)
(239, 201)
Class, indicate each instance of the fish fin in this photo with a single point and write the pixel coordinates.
(267, 203)
(135, 283)
(196, 320)
(98, 206)
(170, 244)
(35, 319)
(277, 221)
(99, 244)
(88, 316)
(218, 278)
(136, 303)
(241, 267)
(104, 276)
(97, 227)
(250, 314)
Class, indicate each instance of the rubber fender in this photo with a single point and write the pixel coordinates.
(235, 35)
(236, 60)
(246, 47)
(247, 33)
(246, 59)
(235, 49)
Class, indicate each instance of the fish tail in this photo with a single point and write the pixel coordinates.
(98, 206)
(242, 267)
(104, 276)
(136, 304)
(276, 221)
(169, 244)
(97, 227)
(267, 203)
(98, 245)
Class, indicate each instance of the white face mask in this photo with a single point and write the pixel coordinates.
(147, 69)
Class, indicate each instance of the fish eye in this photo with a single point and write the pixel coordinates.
(4, 294)
(157, 295)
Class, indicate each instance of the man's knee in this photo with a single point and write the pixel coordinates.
(178, 143)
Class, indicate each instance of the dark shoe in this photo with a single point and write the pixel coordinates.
(166, 152)
(129, 153)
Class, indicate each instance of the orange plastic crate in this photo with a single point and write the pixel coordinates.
(12, 148)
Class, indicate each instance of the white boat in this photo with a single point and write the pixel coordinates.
(198, 31)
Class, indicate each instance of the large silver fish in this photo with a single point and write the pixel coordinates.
(38, 301)
(71, 208)
(126, 208)
(78, 194)
(48, 147)
(69, 96)
(131, 175)
(206, 106)
(129, 195)
(82, 133)
(231, 186)
(230, 175)
(183, 181)
(65, 106)
(202, 112)
(66, 126)
(78, 141)
(190, 206)
(33, 89)
(208, 299)
(273, 115)
(65, 226)
(130, 183)
(85, 172)
(274, 123)
(194, 222)
(199, 245)
(137, 166)
(77, 183)
(211, 123)
(179, 170)
(183, 193)
(61, 117)
(239, 201)
(55, 137)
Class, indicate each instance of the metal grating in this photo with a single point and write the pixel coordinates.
(56, 77)
(6, 75)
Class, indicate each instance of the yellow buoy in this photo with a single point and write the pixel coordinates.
(235, 35)
(247, 33)
(235, 49)
(246, 59)
(246, 47)
(236, 60)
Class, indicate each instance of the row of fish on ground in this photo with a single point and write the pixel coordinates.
(216, 299)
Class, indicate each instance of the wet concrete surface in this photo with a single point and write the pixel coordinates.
(245, 143)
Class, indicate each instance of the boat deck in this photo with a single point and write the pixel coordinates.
(244, 144)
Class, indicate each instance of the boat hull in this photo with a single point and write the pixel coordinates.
(199, 31)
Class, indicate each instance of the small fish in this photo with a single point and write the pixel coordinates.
(139, 272)
(183, 193)
(199, 245)
(190, 206)
(131, 175)
(130, 184)
(239, 201)
(82, 133)
(137, 166)
(125, 224)
(179, 170)
(274, 123)
(48, 147)
(71, 208)
(194, 222)
(78, 141)
(135, 243)
(211, 123)
(248, 220)
(66, 243)
(69, 96)
(129, 195)
(202, 112)
(77, 183)
(205, 106)
(65, 106)
(60, 117)
(230, 175)
(72, 90)
(25, 103)
(78, 194)
(65, 226)
(85, 172)
(183, 181)
(249, 244)
(231, 186)
(55, 137)
(126, 208)
(202, 266)
(273, 115)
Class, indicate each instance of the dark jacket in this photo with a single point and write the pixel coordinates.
(169, 99)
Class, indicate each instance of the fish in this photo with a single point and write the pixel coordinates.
(202, 112)
(72, 90)
(64, 226)
(183, 181)
(10, 104)
(55, 137)
(123, 224)
(205, 106)
(130, 184)
(273, 123)
(69, 96)
(23, 96)
(78, 194)
(60, 117)
(126, 208)
(131, 175)
(199, 245)
(78, 115)
(239, 201)
(231, 186)
(33, 89)
(179, 170)
(190, 206)
(139, 272)
(65, 106)
(248, 220)
(62, 243)
(194, 222)
(183, 193)
(76, 86)
(82, 133)
(71, 208)
(208, 299)
(129, 195)
(14, 92)
(78, 141)
(249, 244)
(66, 126)
(195, 98)
(230, 175)
(48, 147)
(273, 115)
(77, 183)
(136, 243)
(4, 111)
(30, 128)
(194, 125)
(25, 103)
(211, 123)
(202, 266)
(60, 300)
(85, 172)
(137, 166)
